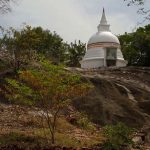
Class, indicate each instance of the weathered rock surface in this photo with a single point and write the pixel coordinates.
(120, 94)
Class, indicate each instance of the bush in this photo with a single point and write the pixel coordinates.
(85, 123)
(117, 136)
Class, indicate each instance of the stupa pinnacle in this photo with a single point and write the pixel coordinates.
(103, 19)
(103, 26)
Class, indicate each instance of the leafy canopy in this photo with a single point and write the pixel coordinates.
(49, 83)
(136, 46)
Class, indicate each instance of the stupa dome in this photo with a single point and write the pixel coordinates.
(103, 48)
(103, 37)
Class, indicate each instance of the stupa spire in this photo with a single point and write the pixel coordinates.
(103, 26)
(103, 19)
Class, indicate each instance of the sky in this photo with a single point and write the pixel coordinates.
(73, 19)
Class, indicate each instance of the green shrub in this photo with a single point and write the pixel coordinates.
(117, 136)
(85, 123)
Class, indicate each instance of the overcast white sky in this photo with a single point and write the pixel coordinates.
(73, 19)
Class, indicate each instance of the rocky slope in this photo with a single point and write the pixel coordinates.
(118, 95)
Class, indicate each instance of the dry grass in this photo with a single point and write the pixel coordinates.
(71, 136)
(17, 124)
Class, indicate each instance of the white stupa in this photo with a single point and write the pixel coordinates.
(103, 48)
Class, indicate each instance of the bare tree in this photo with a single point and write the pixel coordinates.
(5, 6)
(142, 10)
(135, 2)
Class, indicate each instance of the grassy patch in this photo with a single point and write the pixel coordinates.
(17, 137)
(62, 124)
(72, 141)
(66, 140)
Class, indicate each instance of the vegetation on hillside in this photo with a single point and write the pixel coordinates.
(20, 47)
(136, 46)
(48, 87)
(37, 58)
(118, 135)
(41, 91)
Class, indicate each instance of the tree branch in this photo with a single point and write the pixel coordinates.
(5, 6)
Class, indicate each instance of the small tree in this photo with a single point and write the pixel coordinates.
(75, 53)
(50, 88)
(135, 46)
(17, 46)
(117, 136)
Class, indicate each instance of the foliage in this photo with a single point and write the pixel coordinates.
(21, 47)
(19, 93)
(14, 47)
(84, 122)
(75, 53)
(117, 136)
(48, 87)
(136, 46)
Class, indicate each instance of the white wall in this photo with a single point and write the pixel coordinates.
(96, 57)
(119, 54)
(93, 63)
(121, 63)
(94, 52)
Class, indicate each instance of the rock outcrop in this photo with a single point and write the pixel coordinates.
(120, 95)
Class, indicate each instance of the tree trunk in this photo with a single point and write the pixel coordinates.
(53, 137)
